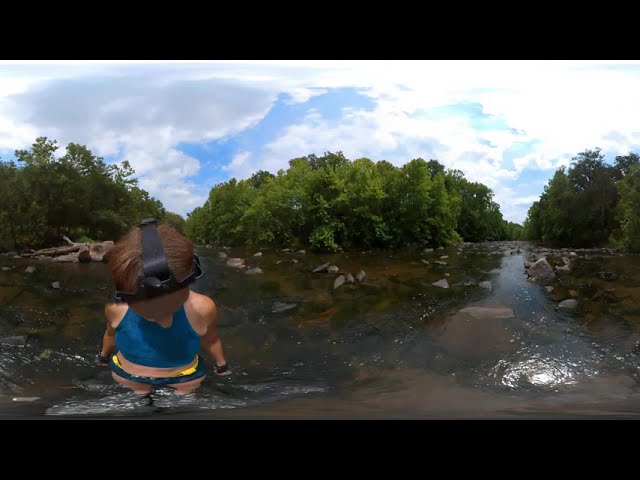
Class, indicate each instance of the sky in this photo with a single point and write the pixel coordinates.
(187, 125)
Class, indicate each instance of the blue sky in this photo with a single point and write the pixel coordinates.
(185, 126)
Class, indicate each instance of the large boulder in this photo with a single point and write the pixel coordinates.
(541, 270)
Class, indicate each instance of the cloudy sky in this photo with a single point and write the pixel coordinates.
(185, 126)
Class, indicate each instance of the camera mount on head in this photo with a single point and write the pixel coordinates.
(157, 279)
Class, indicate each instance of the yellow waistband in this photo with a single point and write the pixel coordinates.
(183, 373)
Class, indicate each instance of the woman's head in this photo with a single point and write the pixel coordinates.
(125, 263)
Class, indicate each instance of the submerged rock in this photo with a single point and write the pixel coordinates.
(333, 269)
(439, 262)
(236, 262)
(487, 284)
(279, 307)
(339, 281)
(253, 271)
(426, 262)
(55, 285)
(441, 283)
(494, 271)
(549, 288)
(321, 268)
(361, 276)
(568, 304)
(487, 312)
(16, 341)
(257, 254)
(222, 255)
(350, 279)
(30, 269)
(6, 269)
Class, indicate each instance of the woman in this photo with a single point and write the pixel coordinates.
(159, 324)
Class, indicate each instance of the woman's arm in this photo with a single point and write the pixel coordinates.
(211, 341)
(109, 337)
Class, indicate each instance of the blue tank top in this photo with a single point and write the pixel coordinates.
(147, 343)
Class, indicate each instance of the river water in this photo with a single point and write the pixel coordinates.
(393, 346)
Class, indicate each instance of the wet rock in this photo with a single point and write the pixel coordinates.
(278, 262)
(222, 255)
(25, 399)
(254, 271)
(6, 269)
(444, 256)
(494, 271)
(333, 269)
(279, 307)
(573, 254)
(69, 258)
(361, 276)
(566, 261)
(441, 283)
(542, 270)
(440, 248)
(30, 269)
(568, 304)
(16, 341)
(527, 264)
(439, 262)
(350, 279)
(339, 281)
(236, 262)
(257, 254)
(11, 254)
(295, 260)
(426, 262)
(549, 288)
(84, 256)
(321, 268)
(428, 250)
(447, 274)
(563, 269)
(487, 284)
(55, 285)
(287, 250)
(301, 252)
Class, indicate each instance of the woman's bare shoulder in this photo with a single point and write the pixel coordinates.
(200, 304)
(115, 312)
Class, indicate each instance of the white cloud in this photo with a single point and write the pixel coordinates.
(143, 111)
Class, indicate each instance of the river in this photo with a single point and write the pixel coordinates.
(393, 346)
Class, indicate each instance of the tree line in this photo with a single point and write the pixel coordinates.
(331, 203)
(78, 194)
(590, 203)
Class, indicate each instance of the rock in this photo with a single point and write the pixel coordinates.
(229, 317)
(257, 254)
(350, 279)
(568, 304)
(84, 256)
(55, 285)
(339, 281)
(441, 283)
(439, 262)
(573, 254)
(447, 274)
(30, 269)
(527, 264)
(279, 261)
(428, 250)
(361, 276)
(566, 261)
(573, 293)
(295, 260)
(253, 271)
(17, 256)
(6, 269)
(279, 307)
(17, 341)
(321, 268)
(440, 248)
(426, 262)
(301, 252)
(286, 250)
(494, 271)
(542, 270)
(25, 399)
(444, 256)
(100, 251)
(549, 288)
(333, 269)
(11, 254)
(487, 284)
(236, 262)
(222, 255)
(564, 269)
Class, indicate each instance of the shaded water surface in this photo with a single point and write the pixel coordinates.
(393, 346)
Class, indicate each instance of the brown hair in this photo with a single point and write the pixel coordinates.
(125, 259)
